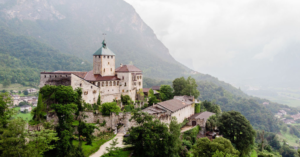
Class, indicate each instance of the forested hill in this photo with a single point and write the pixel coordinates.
(23, 58)
(75, 27)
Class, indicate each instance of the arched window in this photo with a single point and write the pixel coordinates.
(104, 70)
(106, 83)
(108, 63)
(125, 84)
(117, 83)
(102, 84)
(114, 83)
(123, 90)
(112, 56)
(103, 56)
(110, 69)
(110, 83)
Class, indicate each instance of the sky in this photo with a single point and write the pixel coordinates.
(215, 36)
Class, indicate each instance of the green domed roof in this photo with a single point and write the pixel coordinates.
(104, 50)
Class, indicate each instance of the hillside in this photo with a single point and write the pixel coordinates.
(23, 58)
(76, 27)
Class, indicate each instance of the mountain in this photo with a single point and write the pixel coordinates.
(23, 58)
(76, 27)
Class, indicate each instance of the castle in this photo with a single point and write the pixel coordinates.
(104, 79)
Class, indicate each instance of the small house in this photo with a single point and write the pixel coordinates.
(25, 107)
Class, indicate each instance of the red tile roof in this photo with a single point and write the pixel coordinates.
(91, 77)
(128, 68)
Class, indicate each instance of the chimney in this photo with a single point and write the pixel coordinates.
(121, 65)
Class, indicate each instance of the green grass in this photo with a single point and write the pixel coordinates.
(25, 116)
(15, 86)
(290, 139)
(76, 123)
(253, 154)
(125, 153)
(88, 149)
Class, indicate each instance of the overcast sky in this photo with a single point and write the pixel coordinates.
(211, 34)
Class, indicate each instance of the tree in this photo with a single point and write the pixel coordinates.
(166, 91)
(65, 102)
(5, 112)
(153, 138)
(99, 100)
(38, 112)
(206, 148)
(235, 127)
(211, 122)
(152, 98)
(222, 154)
(190, 88)
(25, 92)
(23, 103)
(6, 83)
(125, 99)
(86, 130)
(108, 107)
(211, 107)
(178, 85)
(13, 140)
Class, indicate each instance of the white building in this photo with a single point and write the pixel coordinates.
(181, 107)
(104, 79)
(25, 107)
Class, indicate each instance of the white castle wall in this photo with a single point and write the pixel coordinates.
(90, 92)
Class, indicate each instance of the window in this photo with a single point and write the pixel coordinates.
(60, 75)
(110, 83)
(80, 84)
(102, 84)
(45, 76)
(125, 84)
(110, 69)
(106, 83)
(103, 56)
(50, 76)
(112, 56)
(55, 76)
(122, 77)
(108, 63)
(139, 83)
(117, 83)
(91, 87)
(66, 75)
(104, 70)
(114, 83)
(123, 90)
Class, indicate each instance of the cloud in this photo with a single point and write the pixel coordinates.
(215, 33)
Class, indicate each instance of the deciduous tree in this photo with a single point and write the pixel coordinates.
(235, 127)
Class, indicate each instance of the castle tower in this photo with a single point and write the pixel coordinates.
(104, 61)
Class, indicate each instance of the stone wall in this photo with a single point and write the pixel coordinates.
(55, 79)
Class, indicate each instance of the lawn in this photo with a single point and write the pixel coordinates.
(290, 139)
(253, 154)
(25, 116)
(88, 149)
(125, 153)
(15, 86)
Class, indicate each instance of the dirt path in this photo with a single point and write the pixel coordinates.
(186, 128)
(102, 148)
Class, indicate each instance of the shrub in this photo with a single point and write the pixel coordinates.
(103, 123)
(107, 108)
(187, 143)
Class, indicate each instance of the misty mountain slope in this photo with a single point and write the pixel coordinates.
(23, 58)
(76, 27)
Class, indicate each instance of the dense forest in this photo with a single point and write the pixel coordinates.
(261, 117)
(23, 58)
